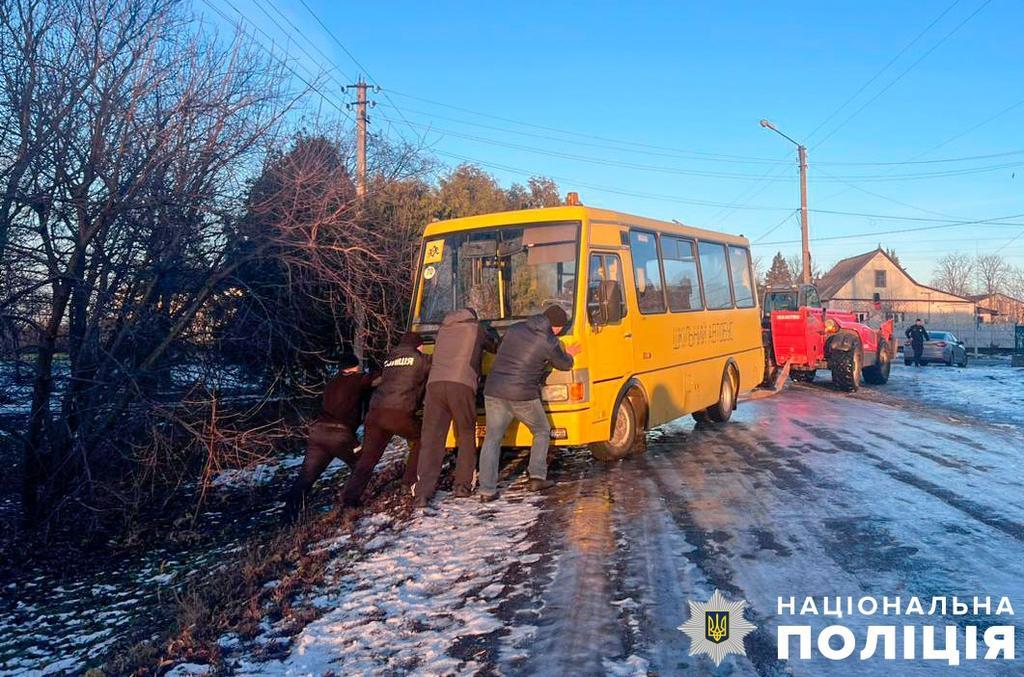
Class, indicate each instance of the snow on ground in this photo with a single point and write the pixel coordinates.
(988, 389)
(418, 588)
(50, 625)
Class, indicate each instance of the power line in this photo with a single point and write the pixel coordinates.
(776, 226)
(355, 60)
(884, 68)
(305, 37)
(270, 51)
(607, 189)
(580, 134)
(854, 236)
(909, 68)
(700, 173)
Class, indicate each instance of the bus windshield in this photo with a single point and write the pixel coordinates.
(505, 274)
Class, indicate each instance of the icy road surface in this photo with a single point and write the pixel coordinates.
(813, 492)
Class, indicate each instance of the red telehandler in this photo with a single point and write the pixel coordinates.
(800, 337)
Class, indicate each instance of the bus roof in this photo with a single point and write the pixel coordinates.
(575, 213)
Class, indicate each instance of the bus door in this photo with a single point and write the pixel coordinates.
(609, 344)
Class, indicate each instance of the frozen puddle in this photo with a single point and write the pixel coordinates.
(415, 592)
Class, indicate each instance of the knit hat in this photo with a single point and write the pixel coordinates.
(411, 339)
(556, 315)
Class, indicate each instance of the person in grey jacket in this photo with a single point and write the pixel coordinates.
(451, 396)
(512, 392)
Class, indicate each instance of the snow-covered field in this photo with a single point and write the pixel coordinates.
(51, 625)
(988, 389)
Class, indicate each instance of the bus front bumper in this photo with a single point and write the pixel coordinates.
(569, 428)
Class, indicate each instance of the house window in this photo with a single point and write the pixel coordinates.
(879, 278)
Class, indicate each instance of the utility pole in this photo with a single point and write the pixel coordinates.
(362, 120)
(805, 237)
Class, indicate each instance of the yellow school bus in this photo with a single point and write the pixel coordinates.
(666, 314)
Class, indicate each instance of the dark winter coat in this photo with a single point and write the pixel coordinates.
(402, 380)
(917, 335)
(343, 399)
(521, 365)
(459, 348)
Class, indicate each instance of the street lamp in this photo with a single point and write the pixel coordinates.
(805, 258)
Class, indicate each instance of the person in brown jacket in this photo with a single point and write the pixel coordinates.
(451, 396)
(333, 434)
(392, 412)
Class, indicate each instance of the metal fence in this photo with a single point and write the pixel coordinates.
(986, 336)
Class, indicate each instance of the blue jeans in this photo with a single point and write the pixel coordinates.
(500, 414)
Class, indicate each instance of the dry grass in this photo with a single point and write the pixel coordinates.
(233, 598)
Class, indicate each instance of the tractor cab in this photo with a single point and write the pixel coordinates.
(788, 297)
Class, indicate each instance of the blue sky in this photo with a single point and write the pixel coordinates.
(662, 102)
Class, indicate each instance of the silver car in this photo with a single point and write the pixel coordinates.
(941, 346)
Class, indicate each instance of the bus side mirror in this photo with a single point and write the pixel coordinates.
(608, 309)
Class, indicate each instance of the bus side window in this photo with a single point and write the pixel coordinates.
(647, 272)
(742, 284)
(681, 280)
(714, 272)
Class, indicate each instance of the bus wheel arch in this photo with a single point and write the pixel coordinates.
(629, 420)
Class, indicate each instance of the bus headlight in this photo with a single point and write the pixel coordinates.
(555, 393)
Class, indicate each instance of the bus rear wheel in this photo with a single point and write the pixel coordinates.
(721, 411)
(623, 440)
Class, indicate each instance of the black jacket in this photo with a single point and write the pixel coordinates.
(343, 399)
(402, 380)
(523, 358)
(460, 343)
(917, 334)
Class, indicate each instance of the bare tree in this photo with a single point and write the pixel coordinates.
(991, 272)
(796, 265)
(135, 127)
(953, 273)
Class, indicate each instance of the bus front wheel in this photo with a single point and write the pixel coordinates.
(625, 430)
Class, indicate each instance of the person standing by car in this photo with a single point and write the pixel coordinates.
(512, 392)
(392, 412)
(451, 396)
(917, 335)
(333, 433)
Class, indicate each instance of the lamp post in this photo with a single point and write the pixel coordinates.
(801, 150)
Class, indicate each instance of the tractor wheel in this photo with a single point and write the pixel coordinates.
(878, 373)
(625, 431)
(846, 368)
(720, 411)
(803, 376)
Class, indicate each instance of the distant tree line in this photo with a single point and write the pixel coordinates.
(964, 275)
(170, 212)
